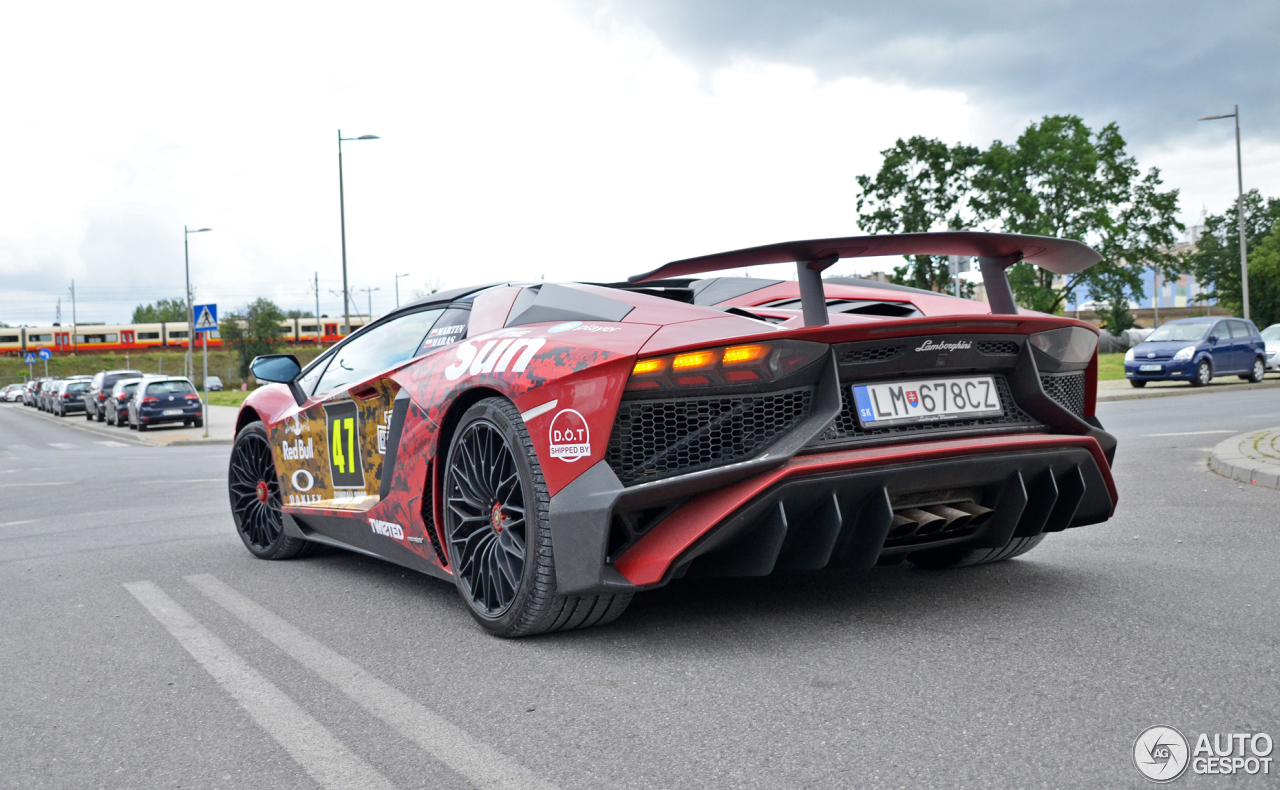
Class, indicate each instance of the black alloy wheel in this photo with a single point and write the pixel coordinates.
(255, 497)
(497, 526)
(487, 526)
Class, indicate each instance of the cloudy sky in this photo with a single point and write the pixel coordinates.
(565, 139)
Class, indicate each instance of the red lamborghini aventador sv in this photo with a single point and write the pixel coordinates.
(553, 449)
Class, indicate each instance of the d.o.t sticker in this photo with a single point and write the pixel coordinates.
(345, 464)
(570, 436)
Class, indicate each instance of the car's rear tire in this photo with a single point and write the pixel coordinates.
(255, 497)
(198, 423)
(1136, 383)
(960, 557)
(1258, 372)
(1204, 374)
(498, 532)
(142, 426)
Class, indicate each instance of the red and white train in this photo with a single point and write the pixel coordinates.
(130, 337)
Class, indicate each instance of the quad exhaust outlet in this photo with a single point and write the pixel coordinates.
(936, 519)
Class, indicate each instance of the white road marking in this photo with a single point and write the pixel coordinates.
(63, 445)
(538, 411)
(17, 485)
(306, 740)
(112, 444)
(16, 523)
(1188, 433)
(483, 766)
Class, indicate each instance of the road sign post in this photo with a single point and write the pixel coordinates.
(206, 322)
(45, 354)
(30, 359)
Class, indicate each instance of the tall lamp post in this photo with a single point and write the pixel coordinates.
(398, 276)
(1244, 255)
(369, 293)
(342, 218)
(191, 320)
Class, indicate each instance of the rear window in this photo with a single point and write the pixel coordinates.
(78, 386)
(170, 388)
(110, 380)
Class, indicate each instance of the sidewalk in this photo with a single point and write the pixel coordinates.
(1121, 389)
(221, 426)
(1254, 457)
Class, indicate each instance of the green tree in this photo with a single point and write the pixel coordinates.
(252, 331)
(1216, 261)
(299, 314)
(1264, 278)
(163, 310)
(922, 185)
(1058, 179)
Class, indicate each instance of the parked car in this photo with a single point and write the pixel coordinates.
(29, 392)
(12, 393)
(117, 402)
(43, 393)
(68, 396)
(1197, 349)
(1271, 337)
(213, 384)
(160, 400)
(100, 387)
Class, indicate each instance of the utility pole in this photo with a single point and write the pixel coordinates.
(188, 368)
(398, 276)
(1155, 299)
(317, 308)
(74, 345)
(369, 294)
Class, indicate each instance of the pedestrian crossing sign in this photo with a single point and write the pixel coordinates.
(206, 317)
(30, 358)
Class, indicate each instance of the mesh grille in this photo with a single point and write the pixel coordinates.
(997, 347)
(429, 518)
(1067, 390)
(655, 439)
(845, 429)
(854, 356)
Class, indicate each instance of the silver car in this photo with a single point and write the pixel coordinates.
(1271, 336)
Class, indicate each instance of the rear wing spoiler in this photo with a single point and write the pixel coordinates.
(995, 253)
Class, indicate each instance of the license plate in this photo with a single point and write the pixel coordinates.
(172, 412)
(926, 400)
(1150, 368)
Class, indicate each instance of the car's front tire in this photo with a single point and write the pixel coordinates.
(255, 497)
(1204, 374)
(1136, 383)
(960, 557)
(498, 532)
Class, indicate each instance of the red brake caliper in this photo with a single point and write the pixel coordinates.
(263, 492)
(495, 517)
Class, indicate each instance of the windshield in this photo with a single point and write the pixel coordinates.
(169, 388)
(1190, 331)
(1271, 333)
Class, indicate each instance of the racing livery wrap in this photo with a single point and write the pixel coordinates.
(554, 448)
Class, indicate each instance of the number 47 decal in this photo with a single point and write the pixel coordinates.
(345, 464)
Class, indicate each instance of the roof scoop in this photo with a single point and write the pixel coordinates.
(995, 253)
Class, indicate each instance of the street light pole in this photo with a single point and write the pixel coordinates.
(1244, 255)
(369, 294)
(398, 276)
(342, 220)
(191, 323)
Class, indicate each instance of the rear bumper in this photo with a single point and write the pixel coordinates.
(825, 510)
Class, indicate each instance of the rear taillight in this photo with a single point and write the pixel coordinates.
(726, 366)
(121, 397)
(150, 400)
(67, 396)
(191, 396)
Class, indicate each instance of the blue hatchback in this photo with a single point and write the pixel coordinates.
(1196, 350)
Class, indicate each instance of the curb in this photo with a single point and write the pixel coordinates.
(1242, 458)
(1167, 392)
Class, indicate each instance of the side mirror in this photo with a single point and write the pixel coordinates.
(1213, 339)
(279, 369)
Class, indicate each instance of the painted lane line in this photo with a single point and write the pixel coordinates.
(63, 445)
(1188, 433)
(482, 766)
(306, 740)
(112, 444)
(16, 523)
(21, 485)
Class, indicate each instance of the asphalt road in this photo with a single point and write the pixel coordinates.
(211, 669)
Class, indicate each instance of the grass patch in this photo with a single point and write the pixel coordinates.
(228, 397)
(222, 363)
(1110, 367)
